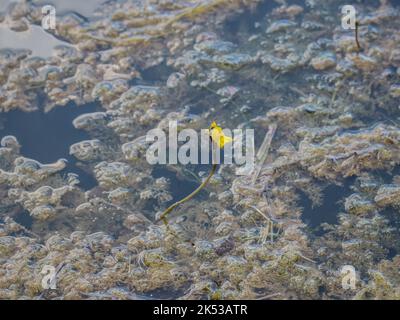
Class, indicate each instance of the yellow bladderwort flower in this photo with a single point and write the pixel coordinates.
(218, 136)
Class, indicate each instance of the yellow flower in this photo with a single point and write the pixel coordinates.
(217, 136)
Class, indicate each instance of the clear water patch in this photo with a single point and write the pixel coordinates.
(46, 137)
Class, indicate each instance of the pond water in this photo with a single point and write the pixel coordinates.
(40, 42)
(85, 8)
(327, 194)
(46, 137)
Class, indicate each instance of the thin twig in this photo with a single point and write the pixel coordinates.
(269, 296)
(356, 36)
(260, 212)
(263, 152)
(305, 258)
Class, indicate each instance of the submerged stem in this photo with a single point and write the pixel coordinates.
(356, 36)
(190, 196)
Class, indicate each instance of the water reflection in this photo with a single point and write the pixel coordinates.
(85, 8)
(40, 42)
(5, 3)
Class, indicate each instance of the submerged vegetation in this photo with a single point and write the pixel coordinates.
(327, 121)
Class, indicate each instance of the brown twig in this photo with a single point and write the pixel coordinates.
(356, 36)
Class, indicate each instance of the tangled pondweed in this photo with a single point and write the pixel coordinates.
(78, 195)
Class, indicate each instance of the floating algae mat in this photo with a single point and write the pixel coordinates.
(118, 113)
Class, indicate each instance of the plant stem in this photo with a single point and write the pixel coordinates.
(356, 36)
(190, 196)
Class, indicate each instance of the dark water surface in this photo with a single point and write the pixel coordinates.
(46, 137)
(328, 211)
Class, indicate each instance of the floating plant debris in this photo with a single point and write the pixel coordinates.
(78, 193)
(356, 36)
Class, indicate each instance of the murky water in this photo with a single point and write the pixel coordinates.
(85, 8)
(328, 193)
(47, 137)
(35, 39)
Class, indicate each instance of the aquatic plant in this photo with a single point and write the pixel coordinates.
(335, 102)
(219, 139)
(356, 36)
